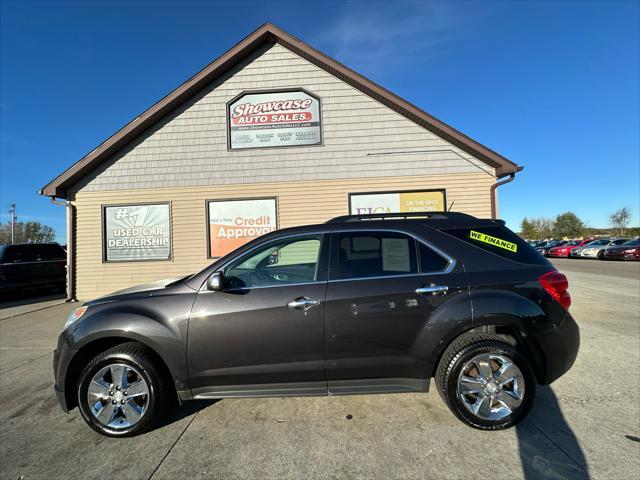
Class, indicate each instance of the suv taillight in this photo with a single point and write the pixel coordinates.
(556, 285)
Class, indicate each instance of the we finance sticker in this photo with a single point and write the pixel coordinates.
(496, 242)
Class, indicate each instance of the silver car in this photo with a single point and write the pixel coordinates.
(596, 248)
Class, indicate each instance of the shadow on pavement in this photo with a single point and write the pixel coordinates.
(28, 297)
(560, 455)
(177, 412)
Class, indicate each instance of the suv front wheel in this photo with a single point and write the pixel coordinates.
(486, 382)
(121, 392)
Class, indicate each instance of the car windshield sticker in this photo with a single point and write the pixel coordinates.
(496, 242)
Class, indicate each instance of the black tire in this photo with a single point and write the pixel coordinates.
(601, 255)
(461, 351)
(137, 356)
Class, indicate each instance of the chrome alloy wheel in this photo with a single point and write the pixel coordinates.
(118, 396)
(491, 386)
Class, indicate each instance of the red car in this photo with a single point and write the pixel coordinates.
(565, 250)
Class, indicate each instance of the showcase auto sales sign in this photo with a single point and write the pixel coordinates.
(274, 119)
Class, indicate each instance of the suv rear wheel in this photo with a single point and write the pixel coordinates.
(486, 382)
(121, 392)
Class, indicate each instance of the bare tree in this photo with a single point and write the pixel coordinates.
(27, 232)
(620, 219)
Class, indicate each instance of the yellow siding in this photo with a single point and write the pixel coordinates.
(299, 203)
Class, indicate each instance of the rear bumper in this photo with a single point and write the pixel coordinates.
(559, 348)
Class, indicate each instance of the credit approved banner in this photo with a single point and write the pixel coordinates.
(233, 223)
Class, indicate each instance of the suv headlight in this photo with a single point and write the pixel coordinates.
(74, 315)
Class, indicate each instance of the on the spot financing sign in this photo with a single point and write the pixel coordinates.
(397, 202)
(274, 119)
(233, 223)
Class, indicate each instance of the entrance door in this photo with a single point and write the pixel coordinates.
(264, 332)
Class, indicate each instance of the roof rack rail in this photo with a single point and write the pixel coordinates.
(403, 216)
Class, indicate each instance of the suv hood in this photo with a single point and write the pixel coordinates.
(146, 289)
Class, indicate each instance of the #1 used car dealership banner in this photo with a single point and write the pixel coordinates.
(274, 119)
(137, 232)
(397, 202)
(233, 223)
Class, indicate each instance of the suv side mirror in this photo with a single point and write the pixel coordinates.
(215, 282)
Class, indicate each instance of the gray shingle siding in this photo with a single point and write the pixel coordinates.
(361, 138)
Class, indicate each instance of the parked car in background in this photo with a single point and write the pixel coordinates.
(545, 247)
(596, 248)
(32, 265)
(627, 251)
(565, 250)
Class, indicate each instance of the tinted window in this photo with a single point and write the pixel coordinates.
(51, 252)
(282, 262)
(500, 241)
(632, 242)
(20, 254)
(375, 254)
(431, 261)
(619, 241)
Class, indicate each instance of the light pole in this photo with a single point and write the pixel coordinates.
(12, 215)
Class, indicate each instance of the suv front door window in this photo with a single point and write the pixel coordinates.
(289, 261)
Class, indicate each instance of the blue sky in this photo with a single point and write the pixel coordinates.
(551, 85)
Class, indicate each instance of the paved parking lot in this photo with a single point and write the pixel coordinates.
(587, 425)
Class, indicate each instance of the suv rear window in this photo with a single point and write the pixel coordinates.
(500, 241)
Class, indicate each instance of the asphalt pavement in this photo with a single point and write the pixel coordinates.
(586, 425)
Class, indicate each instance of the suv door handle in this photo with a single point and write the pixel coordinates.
(303, 303)
(432, 289)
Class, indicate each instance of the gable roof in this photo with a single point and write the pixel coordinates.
(269, 33)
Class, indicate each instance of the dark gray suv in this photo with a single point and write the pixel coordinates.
(361, 304)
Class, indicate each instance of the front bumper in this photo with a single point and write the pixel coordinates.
(622, 256)
(62, 357)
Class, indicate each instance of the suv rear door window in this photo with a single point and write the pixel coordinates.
(375, 254)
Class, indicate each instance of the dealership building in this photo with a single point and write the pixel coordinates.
(272, 134)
